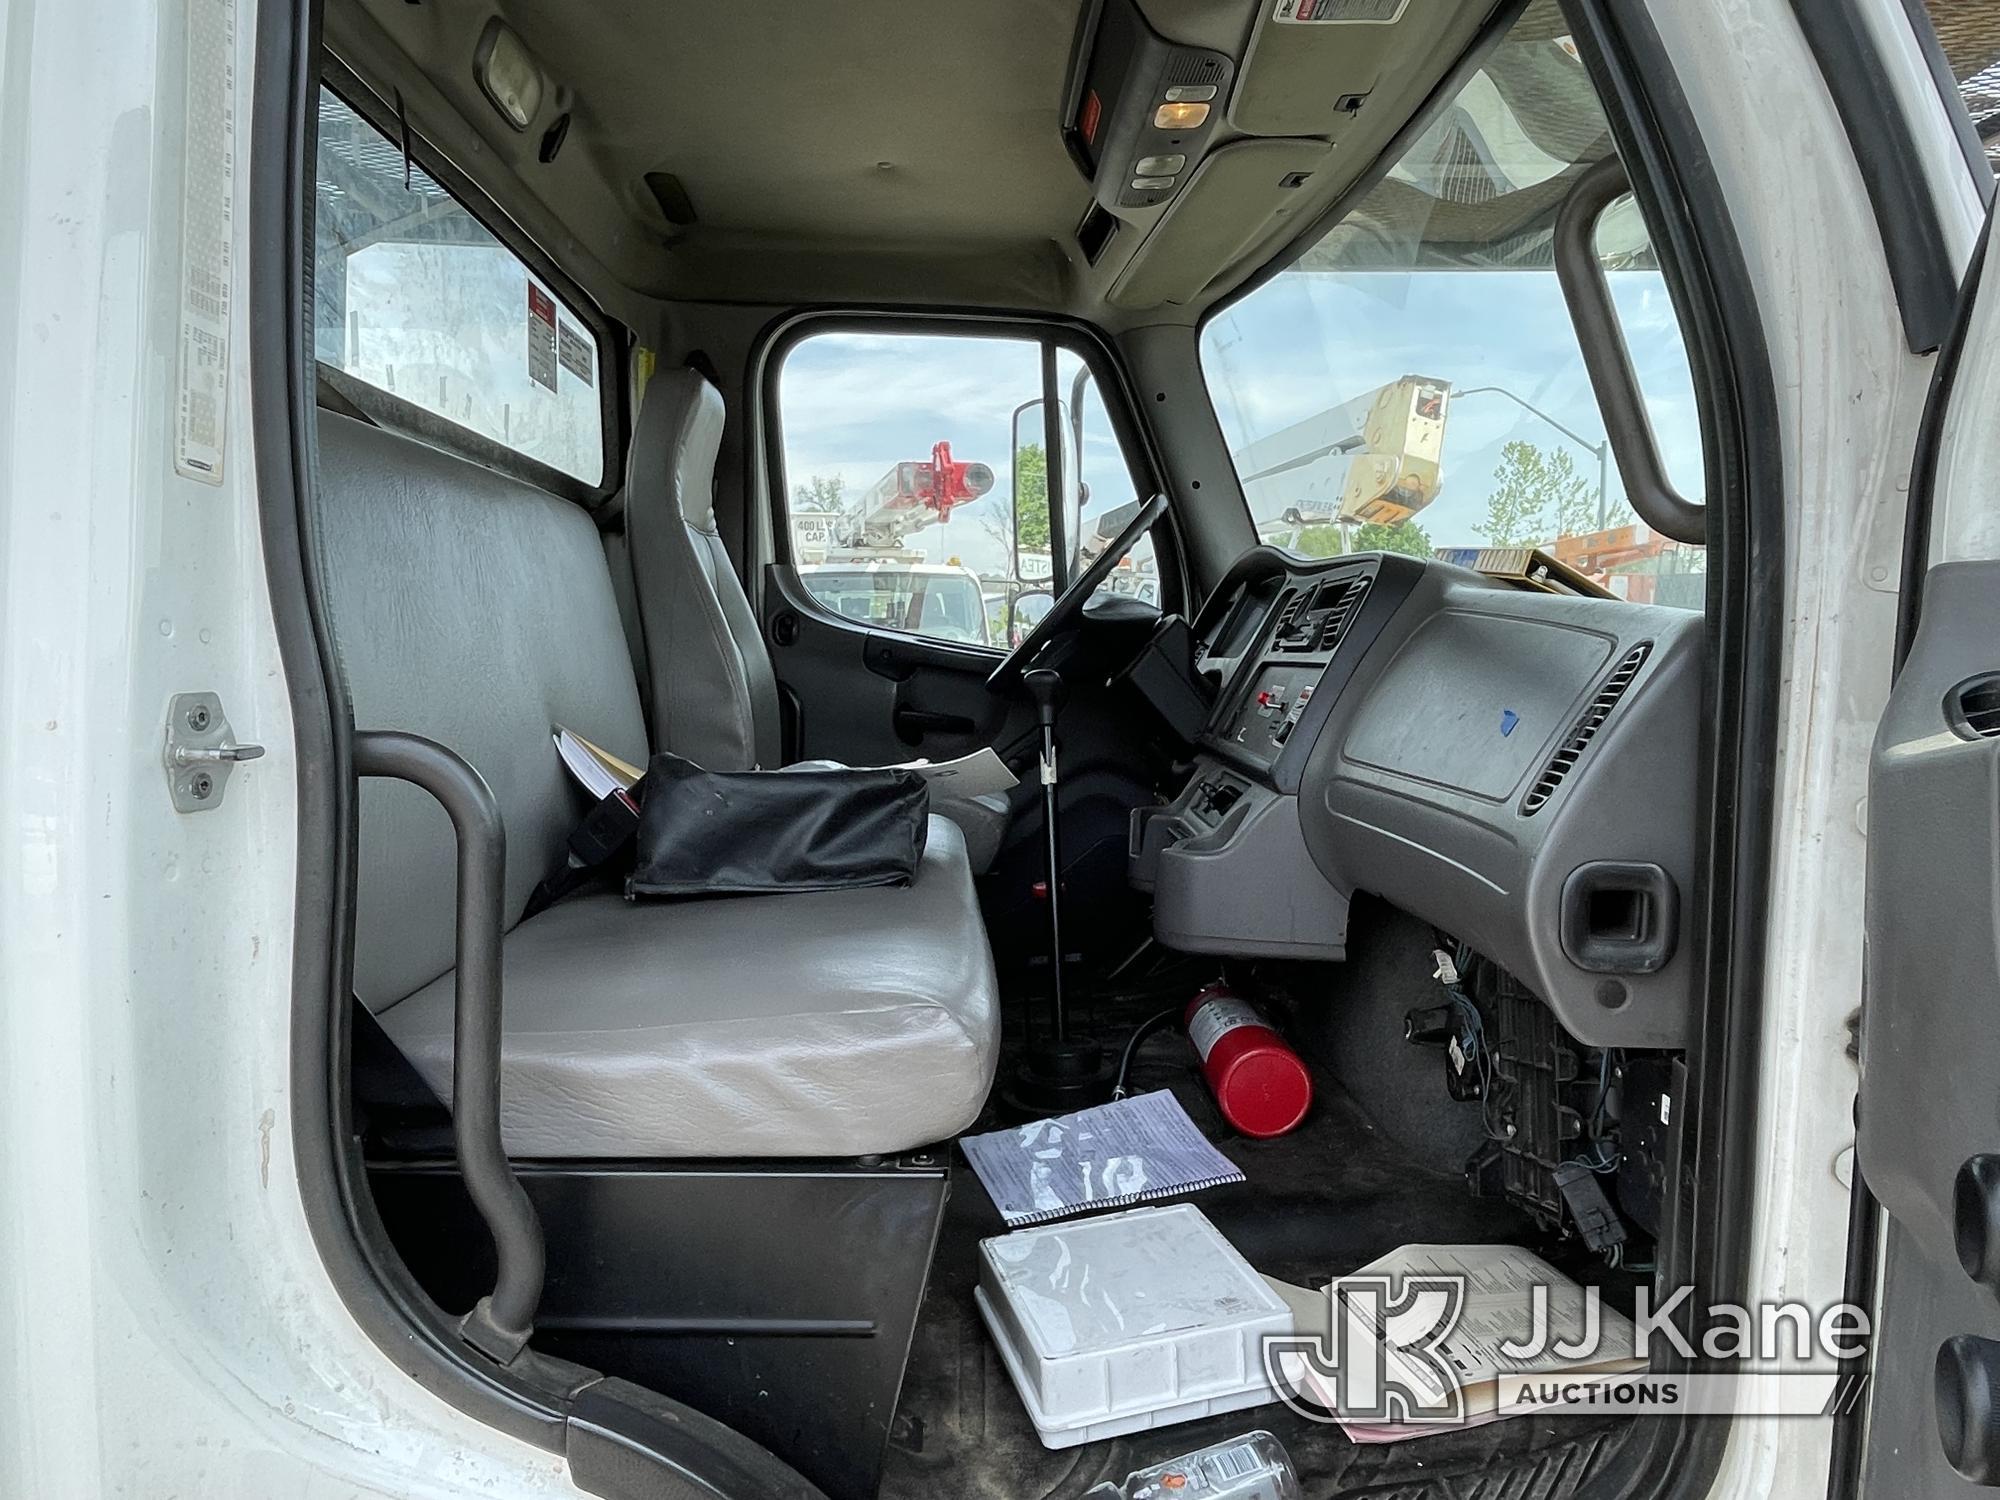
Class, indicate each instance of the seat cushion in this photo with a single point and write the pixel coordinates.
(837, 1023)
(982, 819)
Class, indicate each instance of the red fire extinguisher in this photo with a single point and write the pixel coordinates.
(1261, 1084)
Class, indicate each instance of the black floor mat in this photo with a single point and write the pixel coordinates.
(1318, 1203)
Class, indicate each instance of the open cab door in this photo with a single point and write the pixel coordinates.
(1930, 1052)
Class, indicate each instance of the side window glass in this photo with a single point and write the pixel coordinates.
(1969, 33)
(415, 296)
(1414, 382)
(916, 479)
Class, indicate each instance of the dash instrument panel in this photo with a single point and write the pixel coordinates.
(1282, 643)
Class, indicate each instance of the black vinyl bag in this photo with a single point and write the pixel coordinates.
(805, 828)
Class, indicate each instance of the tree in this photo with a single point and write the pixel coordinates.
(1373, 536)
(1537, 497)
(1405, 536)
(1031, 485)
(820, 492)
(1318, 541)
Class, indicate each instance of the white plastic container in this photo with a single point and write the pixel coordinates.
(1127, 1322)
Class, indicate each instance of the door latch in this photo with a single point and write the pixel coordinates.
(201, 751)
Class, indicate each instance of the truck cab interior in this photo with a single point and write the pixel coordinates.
(878, 383)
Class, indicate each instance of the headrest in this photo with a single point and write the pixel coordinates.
(675, 441)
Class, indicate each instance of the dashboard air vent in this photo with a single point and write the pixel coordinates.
(1315, 619)
(1974, 707)
(1288, 613)
(1342, 614)
(1570, 751)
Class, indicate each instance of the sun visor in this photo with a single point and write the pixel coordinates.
(1311, 64)
(1242, 198)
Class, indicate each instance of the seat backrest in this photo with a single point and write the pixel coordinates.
(715, 699)
(476, 611)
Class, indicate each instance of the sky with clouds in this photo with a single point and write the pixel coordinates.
(852, 405)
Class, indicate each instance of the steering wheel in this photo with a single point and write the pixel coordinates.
(1063, 612)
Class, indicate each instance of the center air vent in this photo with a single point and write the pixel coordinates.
(1342, 614)
(1316, 621)
(1570, 751)
(1974, 707)
(1288, 613)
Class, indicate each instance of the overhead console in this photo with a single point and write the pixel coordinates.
(1516, 767)
(1213, 131)
(1139, 112)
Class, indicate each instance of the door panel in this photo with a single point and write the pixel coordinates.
(1929, 1137)
(871, 697)
(934, 480)
(1933, 802)
(863, 696)
(1930, 1053)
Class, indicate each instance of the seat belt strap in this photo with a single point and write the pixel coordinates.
(605, 833)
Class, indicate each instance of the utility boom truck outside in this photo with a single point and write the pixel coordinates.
(1376, 458)
(914, 495)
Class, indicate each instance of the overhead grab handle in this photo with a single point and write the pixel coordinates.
(1609, 363)
(500, 1324)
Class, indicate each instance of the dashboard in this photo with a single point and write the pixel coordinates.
(1516, 767)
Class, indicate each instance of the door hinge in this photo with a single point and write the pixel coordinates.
(201, 751)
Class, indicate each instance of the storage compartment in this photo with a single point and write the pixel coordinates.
(1182, 1338)
(1230, 874)
(778, 1297)
(1152, 830)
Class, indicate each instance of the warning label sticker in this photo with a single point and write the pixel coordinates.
(577, 353)
(1339, 12)
(1215, 1019)
(541, 337)
(208, 191)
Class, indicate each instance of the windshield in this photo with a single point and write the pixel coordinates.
(1414, 382)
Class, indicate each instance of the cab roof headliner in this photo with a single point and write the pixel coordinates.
(887, 152)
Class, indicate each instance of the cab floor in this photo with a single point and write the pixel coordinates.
(1318, 1203)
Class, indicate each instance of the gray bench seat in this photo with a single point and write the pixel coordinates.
(827, 1024)
(478, 611)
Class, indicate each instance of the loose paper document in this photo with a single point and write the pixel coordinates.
(1125, 1152)
(596, 769)
(1505, 1330)
(601, 773)
(968, 776)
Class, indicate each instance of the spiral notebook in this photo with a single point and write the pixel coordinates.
(1129, 1151)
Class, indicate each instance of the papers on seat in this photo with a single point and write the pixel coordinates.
(1506, 1336)
(968, 776)
(596, 769)
(1129, 1151)
(601, 773)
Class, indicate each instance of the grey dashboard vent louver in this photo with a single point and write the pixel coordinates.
(1315, 619)
(1570, 751)
(1342, 615)
(1293, 599)
(1974, 707)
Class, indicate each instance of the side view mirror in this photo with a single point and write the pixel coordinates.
(1037, 533)
(1027, 610)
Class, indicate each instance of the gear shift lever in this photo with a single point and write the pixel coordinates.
(1060, 1074)
(1044, 686)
